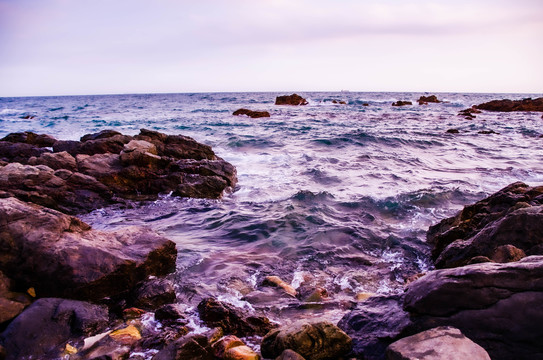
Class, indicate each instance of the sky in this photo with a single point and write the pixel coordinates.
(70, 47)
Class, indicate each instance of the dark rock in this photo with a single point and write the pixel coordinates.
(512, 105)
(401, 103)
(423, 100)
(177, 146)
(512, 216)
(61, 256)
(435, 344)
(293, 99)
(194, 347)
(375, 324)
(19, 152)
(60, 160)
(31, 138)
(152, 294)
(290, 355)
(486, 132)
(225, 343)
(232, 320)
(170, 312)
(453, 131)
(42, 330)
(365, 104)
(11, 303)
(252, 114)
(469, 113)
(507, 253)
(495, 305)
(340, 102)
(316, 341)
(104, 134)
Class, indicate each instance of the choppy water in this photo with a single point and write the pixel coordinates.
(322, 188)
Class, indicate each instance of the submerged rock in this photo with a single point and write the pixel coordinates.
(108, 167)
(61, 256)
(436, 344)
(316, 341)
(293, 99)
(512, 105)
(402, 103)
(251, 113)
(423, 100)
(152, 294)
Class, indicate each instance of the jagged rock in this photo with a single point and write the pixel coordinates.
(241, 353)
(232, 320)
(194, 347)
(374, 324)
(495, 305)
(104, 134)
(316, 341)
(154, 293)
(43, 329)
(469, 113)
(251, 113)
(402, 103)
(512, 105)
(170, 312)
(11, 303)
(31, 138)
(507, 253)
(293, 99)
(436, 344)
(512, 216)
(60, 160)
(225, 343)
(61, 256)
(423, 100)
(289, 355)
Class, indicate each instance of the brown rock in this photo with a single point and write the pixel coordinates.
(289, 355)
(224, 344)
(31, 138)
(293, 99)
(507, 253)
(423, 100)
(402, 103)
(241, 353)
(252, 114)
(453, 131)
(152, 294)
(188, 347)
(278, 282)
(512, 105)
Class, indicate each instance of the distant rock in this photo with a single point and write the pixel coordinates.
(487, 132)
(402, 103)
(340, 102)
(436, 344)
(424, 100)
(293, 99)
(251, 113)
(453, 131)
(512, 105)
(469, 113)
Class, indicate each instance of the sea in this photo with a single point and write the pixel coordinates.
(334, 199)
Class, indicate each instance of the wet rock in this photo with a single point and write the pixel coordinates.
(340, 102)
(512, 216)
(316, 341)
(19, 152)
(126, 336)
(402, 103)
(436, 344)
(31, 138)
(469, 113)
(133, 313)
(224, 344)
(251, 113)
(453, 131)
(424, 100)
(232, 320)
(195, 347)
(278, 282)
(495, 305)
(293, 99)
(289, 355)
(152, 294)
(312, 294)
(241, 353)
(104, 134)
(507, 253)
(363, 296)
(487, 132)
(375, 324)
(64, 257)
(170, 312)
(11, 303)
(55, 161)
(512, 105)
(61, 319)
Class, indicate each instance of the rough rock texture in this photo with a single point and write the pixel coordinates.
(232, 320)
(251, 113)
(512, 217)
(61, 256)
(194, 347)
(316, 341)
(293, 99)
(428, 99)
(154, 293)
(108, 167)
(289, 355)
(512, 105)
(495, 305)
(375, 324)
(11, 303)
(44, 327)
(401, 103)
(436, 344)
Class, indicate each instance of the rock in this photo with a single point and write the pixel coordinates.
(64, 257)
(61, 319)
(231, 319)
(241, 353)
(512, 105)
(402, 103)
(289, 355)
(19, 152)
(423, 100)
(31, 138)
(60, 160)
(224, 344)
(278, 282)
(133, 313)
(375, 324)
(363, 296)
(11, 303)
(512, 216)
(436, 344)
(251, 113)
(104, 134)
(495, 305)
(486, 132)
(126, 336)
(507, 253)
(154, 293)
(317, 341)
(170, 312)
(469, 113)
(194, 347)
(340, 102)
(293, 99)
(453, 131)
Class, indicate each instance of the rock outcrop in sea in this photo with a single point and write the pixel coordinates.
(424, 100)
(402, 103)
(293, 99)
(507, 105)
(251, 113)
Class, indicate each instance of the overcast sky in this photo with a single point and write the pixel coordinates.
(56, 47)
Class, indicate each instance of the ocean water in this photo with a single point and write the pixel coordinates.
(329, 196)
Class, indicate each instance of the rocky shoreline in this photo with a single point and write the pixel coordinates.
(107, 295)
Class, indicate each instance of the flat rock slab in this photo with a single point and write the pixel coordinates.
(441, 343)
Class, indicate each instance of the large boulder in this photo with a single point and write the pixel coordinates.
(109, 167)
(511, 217)
(293, 99)
(495, 305)
(423, 100)
(195, 347)
(436, 344)
(251, 113)
(317, 341)
(11, 303)
(512, 105)
(44, 328)
(61, 256)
